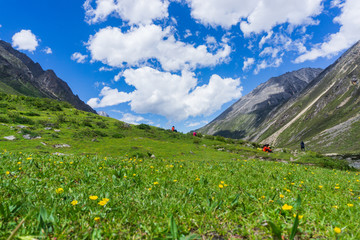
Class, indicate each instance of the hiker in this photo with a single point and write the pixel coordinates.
(302, 145)
(267, 148)
(173, 129)
(194, 134)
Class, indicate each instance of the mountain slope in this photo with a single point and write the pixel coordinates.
(21, 76)
(244, 116)
(325, 115)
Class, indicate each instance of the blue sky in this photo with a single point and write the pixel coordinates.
(176, 62)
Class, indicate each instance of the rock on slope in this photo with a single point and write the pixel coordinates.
(20, 75)
(244, 116)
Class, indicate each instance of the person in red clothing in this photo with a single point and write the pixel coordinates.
(267, 148)
(173, 129)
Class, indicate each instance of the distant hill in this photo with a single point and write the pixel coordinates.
(245, 116)
(326, 115)
(19, 75)
(321, 108)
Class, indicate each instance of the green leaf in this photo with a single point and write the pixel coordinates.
(173, 228)
(276, 232)
(294, 227)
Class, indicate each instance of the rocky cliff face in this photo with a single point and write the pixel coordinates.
(326, 114)
(244, 116)
(20, 75)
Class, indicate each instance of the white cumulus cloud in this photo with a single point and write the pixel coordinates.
(176, 97)
(132, 11)
(248, 63)
(25, 40)
(47, 50)
(255, 16)
(78, 57)
(348, 34)
(113, 47)
(132, 119)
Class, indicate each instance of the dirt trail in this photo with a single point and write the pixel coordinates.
(272, 139)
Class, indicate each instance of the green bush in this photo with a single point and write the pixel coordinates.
(220, 138)
(31, 114)
(16, 118)
(118, 135)
(4, 119)
(101, 124)
(143, 126)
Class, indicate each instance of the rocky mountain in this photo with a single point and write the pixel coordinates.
(325, 115)
(245, 116)
(21, 76)
(102, 113)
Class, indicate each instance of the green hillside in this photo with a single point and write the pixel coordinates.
(92, 177)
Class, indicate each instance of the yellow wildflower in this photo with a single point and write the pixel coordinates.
(197, 179)
(59, 190)
(336, 207)
(93, 197)
(350, 205)
(156, 183)
(134, 174)
(7, 172)
(96, 218)
(282, 196)
(19, 162)
(74, 202)
(29, 158)
(287, 207)
(222, 182)
(149, 189)
(221, 186)
(102, 203)
(175, 180)
(320, 186)
(299, 216)
(337, 230)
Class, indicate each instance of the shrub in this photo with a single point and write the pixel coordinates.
(16, 118)
(4, 119)
(220, 138)
(90, 133)
(210, 137)
(197, 140)
(118, 135)
(143, 126)
(31, 114)
(4, 105)
(101, 124)
(87, 123)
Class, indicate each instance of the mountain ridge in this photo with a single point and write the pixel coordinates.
(21, 76)
(250, 110)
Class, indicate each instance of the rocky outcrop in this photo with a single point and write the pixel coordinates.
(244, 116)
(20, 75)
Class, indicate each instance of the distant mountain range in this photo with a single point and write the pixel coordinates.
(323, 110)
(249, 112)
(21, 76)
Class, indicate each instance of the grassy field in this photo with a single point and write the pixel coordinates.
(120, 181)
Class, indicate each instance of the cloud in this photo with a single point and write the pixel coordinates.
(195, 124)
(132, 119)
(254, 16)
(133, 48)
(110, 97)
(348, 34)
(176, 97)
(131, 11)
(248, 63)
(266, 64)
(78, 57)
(105, 69)
(47, 50)
(25, 40)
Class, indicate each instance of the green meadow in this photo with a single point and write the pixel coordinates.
(113, 180)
